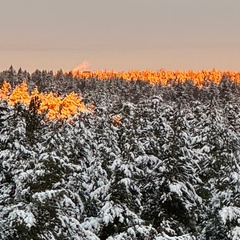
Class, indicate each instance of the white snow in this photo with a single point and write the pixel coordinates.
(177, 188)
(236, 233)
(23, 216)
(230, 213)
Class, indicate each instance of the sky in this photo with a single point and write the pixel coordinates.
(120, 35)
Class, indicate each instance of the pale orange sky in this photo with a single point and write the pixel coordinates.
(120, 34)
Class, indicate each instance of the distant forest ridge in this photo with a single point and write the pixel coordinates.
(161, 76)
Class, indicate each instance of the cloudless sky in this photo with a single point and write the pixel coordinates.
(120, 34)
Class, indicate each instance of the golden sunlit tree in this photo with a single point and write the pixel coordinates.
(70, 105)
(5, 91)
(20, 94)
(56, 107)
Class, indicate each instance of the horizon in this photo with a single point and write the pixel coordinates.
(87, 69)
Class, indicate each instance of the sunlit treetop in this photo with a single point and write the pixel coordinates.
(162, 76)
(5, 91)
(20, 94)
(65, 107)
(56, 107)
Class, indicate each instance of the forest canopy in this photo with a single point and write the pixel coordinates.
(119, 155)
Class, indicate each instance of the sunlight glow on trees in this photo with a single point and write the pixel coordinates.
(162, 76)
(56, 106)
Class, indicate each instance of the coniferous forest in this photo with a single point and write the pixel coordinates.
(144, 161)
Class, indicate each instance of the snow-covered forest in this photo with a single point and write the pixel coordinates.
(148, 162)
